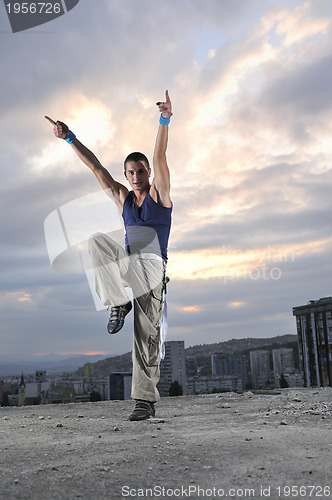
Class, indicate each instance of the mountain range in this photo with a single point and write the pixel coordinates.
(202, 353)
(52, 363)
(105, 363)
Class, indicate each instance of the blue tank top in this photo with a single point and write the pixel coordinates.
(147, 226)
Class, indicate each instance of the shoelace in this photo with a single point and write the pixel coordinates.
(116, 313)
(144, 406)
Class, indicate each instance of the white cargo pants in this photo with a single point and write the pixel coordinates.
(114, 270)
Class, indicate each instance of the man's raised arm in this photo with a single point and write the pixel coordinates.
(119, 192)
(161, 182)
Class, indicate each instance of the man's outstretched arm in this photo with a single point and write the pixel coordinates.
(161, 182)
(119, 192)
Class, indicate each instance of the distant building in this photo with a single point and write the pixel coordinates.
(40, 376)
(206, 384)
(60, 394)
(31, 393)
(172, 367)
(89, 370)
(119, 386)
(21, 392)
(191, 367)
(76, 386)
(34, 392)
(231, 365)
(260, 368)
(294, 379)
(314, 330)
(102, 386)
(64, 390)
(283, 362)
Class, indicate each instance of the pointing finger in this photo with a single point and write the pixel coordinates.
(50, 120)
(167, 96)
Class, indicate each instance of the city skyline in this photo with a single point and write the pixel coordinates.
(249, 154)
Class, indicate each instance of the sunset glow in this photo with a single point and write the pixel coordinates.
(249, 154)
(232, 263)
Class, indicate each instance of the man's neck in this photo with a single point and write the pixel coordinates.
(140, 195)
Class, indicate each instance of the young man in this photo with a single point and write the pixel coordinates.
(146, 211)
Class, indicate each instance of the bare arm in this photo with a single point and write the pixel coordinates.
(161, 183)
(117, 191)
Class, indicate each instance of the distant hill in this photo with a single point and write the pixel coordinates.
(239, 345)
(56, 364)
(122, 363)
(52, 363)
(202, 353)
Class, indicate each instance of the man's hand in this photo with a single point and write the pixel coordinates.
(60, 129)
(165, 107)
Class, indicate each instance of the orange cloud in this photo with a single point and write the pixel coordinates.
(236, 304)
(85, 353)
(74, 353)
(190, 308)
(230, 263)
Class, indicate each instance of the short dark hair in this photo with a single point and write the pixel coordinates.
(136, 157)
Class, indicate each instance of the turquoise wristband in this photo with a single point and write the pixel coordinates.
(164, 121)
(70, 137)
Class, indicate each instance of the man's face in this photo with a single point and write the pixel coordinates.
(137, 175)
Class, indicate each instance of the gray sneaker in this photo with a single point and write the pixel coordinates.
(117, 316)
(143, 410)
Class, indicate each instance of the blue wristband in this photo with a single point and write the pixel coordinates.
(164, 121)
(70, 137)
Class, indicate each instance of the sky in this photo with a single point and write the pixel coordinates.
(249, 153)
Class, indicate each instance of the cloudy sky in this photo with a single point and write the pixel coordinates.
(249, 151)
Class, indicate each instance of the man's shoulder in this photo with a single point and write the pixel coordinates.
(160, 196)
(128, 198)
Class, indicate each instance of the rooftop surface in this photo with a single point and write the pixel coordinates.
(250, 445)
